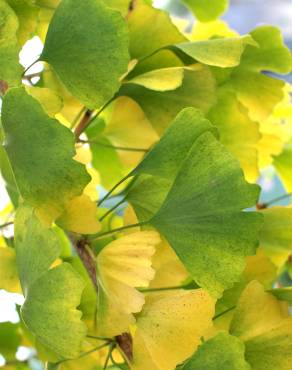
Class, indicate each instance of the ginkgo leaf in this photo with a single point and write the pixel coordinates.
(168, 319)
(151, 29)
(283, 166)
(238, 132)
(193, 222)
(164, 79)
(80, 216)
(50, 101)
(128, 127)
(161, 108)
(27, 14)
(10, 69)
(49, 310)
(222, 352)
(258, 267)
(276, 233)
(217, 28)
(31, 138)
(221, 52)
(37, 246)
(90, 66)
(51, 296)
(8, 271)
(207, 11)
(10, 340)
(123, 265)
(263, 323)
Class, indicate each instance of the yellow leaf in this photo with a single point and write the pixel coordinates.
(128, 127)
(205, 31)
(8, 271)
(121, 266)
(170, 327)
(50, 101)
(80, 216)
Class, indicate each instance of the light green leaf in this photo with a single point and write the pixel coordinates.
(205, 225)
(223, 52)
(92, 54)
(263, 323)
(197, 90)
(9, 340)
(8, 271)
(164, 79)
(283, 166)
(31, 138)
(206, 10)
(276, 233)
(49, 310)
(222, 352)
(151, 29)
(238, 132)
(271, 55)
(10, 69)
(50, 101)
(37, 246)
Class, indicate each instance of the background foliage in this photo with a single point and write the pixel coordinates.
(133, 159)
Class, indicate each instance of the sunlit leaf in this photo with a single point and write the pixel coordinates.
(8, 271)
(123, 265)
(50, 101)
(167, 319)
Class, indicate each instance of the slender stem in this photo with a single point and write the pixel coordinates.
(112, 209)
(24, 72)
(78, 116)
(6, 224)
(99, 338)
(82, 126)
(153, 290)
(113, 189)
(284, 196)
(224, 312)
(100, 235)
(83, 123)
(111, 347)
(128, 149)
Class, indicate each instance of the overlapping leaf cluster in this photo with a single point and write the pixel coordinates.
(171, 268)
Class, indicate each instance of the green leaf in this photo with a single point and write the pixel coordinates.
(222, 352)
(263, 323)
(50, 101)
(10, 69)
(37, 246)
(223, 52)
(276, 233)
(197, 91)
(31, 138)
(201, 216)
(51, 296)
(9, 340)
(206, 10)
(49, 310)
(92, 54)
(148, 192)
(8, 271)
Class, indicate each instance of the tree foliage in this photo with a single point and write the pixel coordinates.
(131, 161)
